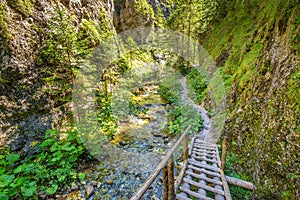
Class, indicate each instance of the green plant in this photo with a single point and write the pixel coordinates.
(51, 168)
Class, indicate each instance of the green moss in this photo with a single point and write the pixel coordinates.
(4, 22)
(143, 8)
(262, 118)
(23, 6)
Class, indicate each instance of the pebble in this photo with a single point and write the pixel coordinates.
(89, 190)
(109, 182)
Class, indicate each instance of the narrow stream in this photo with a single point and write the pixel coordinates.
(142, 144)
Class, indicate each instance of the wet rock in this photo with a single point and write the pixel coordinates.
(109, 182)
(74, 187)
(89, 190)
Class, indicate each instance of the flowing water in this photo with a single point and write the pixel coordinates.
(141, 145)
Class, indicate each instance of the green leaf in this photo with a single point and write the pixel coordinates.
(51, 190)
(57, 156)
(2, 170)
(72, 158)
(47, 142)
(50, 133)
(54, 147)
(5, 180)
(81, 176)
(19, 181)
(20, 168)
(11, 158)
(3, 197)
(29, 190)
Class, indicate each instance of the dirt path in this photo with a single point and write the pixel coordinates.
(203, 113)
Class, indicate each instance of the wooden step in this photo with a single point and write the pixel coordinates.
(195, 194)
(206, 166)
(204, 171)
(204, 154)
(204, 178)
(214, 190)
(204, 158)
(181, 197)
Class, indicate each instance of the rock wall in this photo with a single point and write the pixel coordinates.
(28, 102)
(256, 47)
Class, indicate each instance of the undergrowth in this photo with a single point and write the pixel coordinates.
(52, 168)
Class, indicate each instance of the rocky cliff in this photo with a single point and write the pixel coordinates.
(35, 87)
(256, 47)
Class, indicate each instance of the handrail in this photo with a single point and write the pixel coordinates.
(169, 157)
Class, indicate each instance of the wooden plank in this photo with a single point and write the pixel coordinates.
(159, 167)
(223, 161)
(225, 186)
(206, 166)
(204, 171)
(240, 183)
(195, 194)
(181, 197)
(204, 153)
(180, 176)
(203, 158)
(185, 147)
(204, 178)
(171, 189)
(205, 147)
(214, 190)
(165, 183)
(191, 148)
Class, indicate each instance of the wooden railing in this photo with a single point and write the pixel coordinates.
(167, 168)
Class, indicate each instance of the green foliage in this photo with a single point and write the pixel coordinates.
(4, 22)
(262, 116)
(198, 84)
(23, 6)
(143, 8)
(160, 20)
(43, 173)
(236, 192)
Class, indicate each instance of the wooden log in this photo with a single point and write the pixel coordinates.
(185, 147)
(204, 178)
(204, 171)
(240, 183)
(195, 194)
(225, 186)
(182, 197)
(165, 183)
(214, 190)
(204, 158)
(180, 176)
(192, 144)
(202, 165)
(171, 190)
(224, 153)
(218, 158)
(204, 154)
(204, 151)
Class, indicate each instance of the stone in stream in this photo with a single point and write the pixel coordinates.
(89, 190)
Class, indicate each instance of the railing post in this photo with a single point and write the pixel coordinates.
(171, 191)
(224, 146)
(185, 147)
(165, 183)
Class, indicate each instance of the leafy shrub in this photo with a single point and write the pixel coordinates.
(44, 173)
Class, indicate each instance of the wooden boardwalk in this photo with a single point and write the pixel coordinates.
(201, 176)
